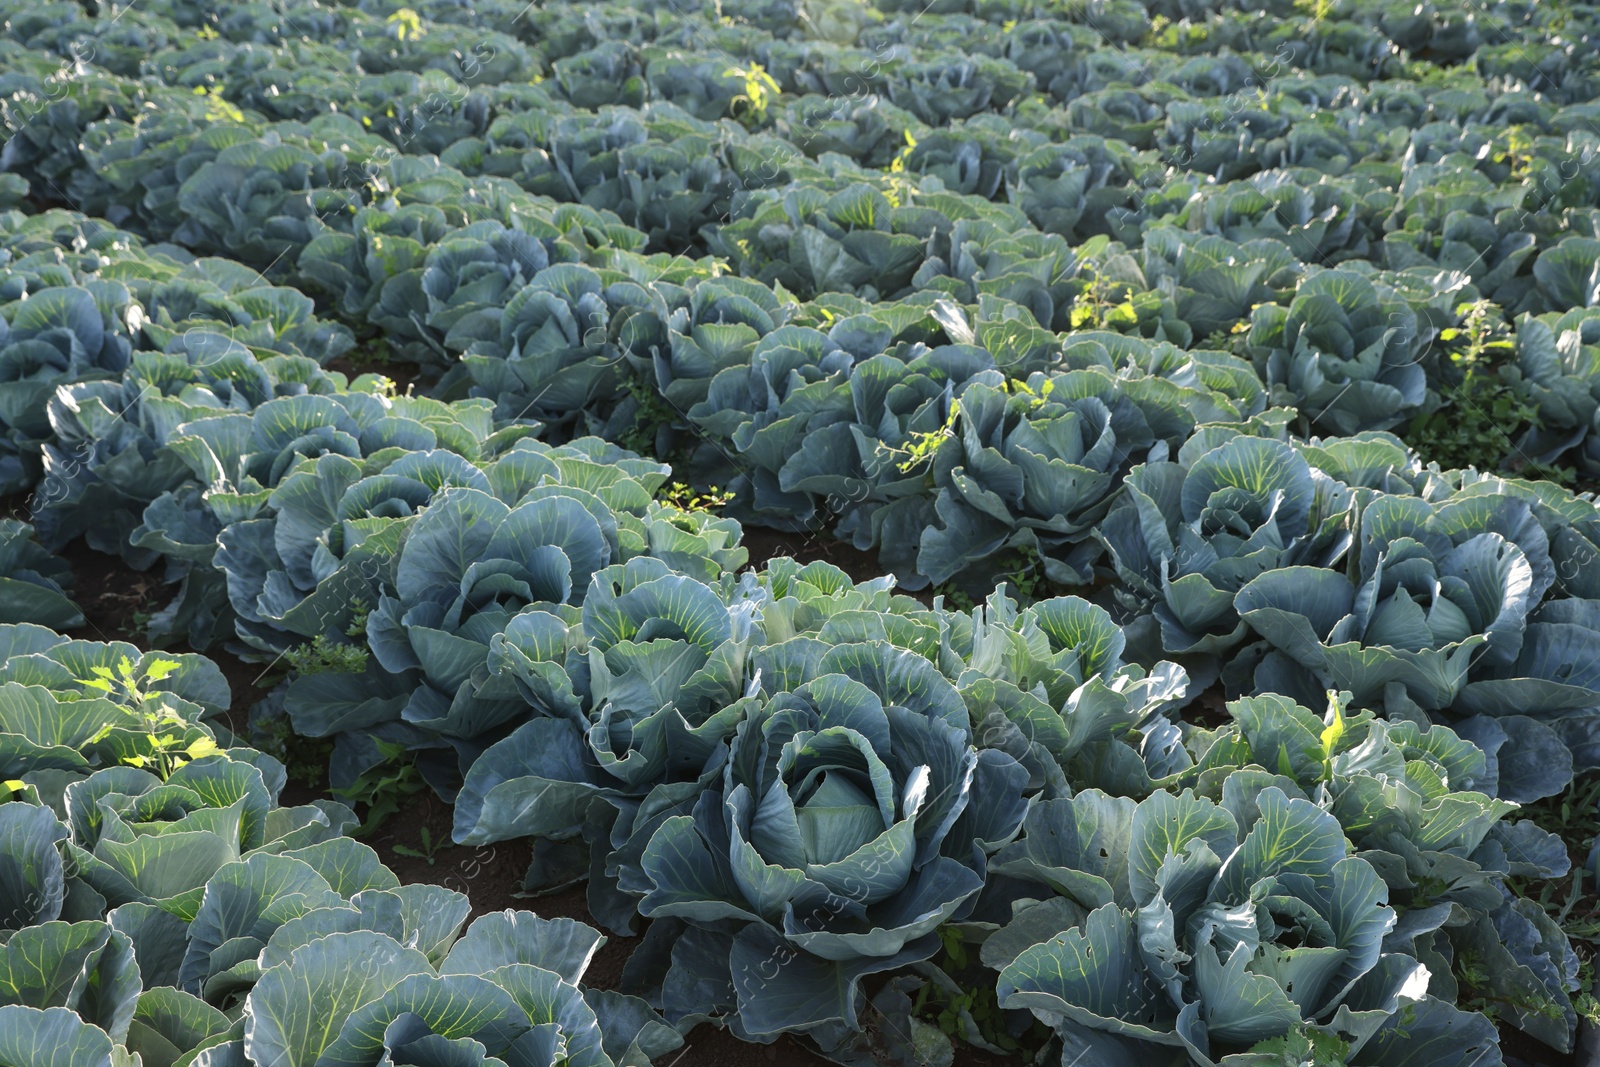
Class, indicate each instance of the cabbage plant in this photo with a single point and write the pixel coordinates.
(57, 334)
(852, 817)
(1415, 802)
(1348, 355)
(445, 572)
(330, 516)
(1434, 599)
(110, 457)
(33, 583)
(1452, 219)
(335, 986)
(1186, 536)
(1048, 683)
(1031, 466)
(1209, 933)
(222, 532)
(629, 705)
(1285, 889)
(1215, 282)
(1556, 355)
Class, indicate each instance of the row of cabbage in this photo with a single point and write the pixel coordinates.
(673, 345)
(798, 778)
(607, 48)
(194, 456)
(84, 302)
(841, 460)
(457, 110)
(801, 780)
(887, 771)
(163, 908)
(835, 231)
(569, 660)
(1226, 118)
(465, 112)
(555, 32)
(794, 864)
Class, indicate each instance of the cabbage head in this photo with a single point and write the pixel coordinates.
(852, 818)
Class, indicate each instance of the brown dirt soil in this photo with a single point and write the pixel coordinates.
(401, 372)
(764, 544)
(1520, 1050)
(491, 875)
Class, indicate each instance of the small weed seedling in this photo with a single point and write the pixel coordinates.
(1481, 413)
(430, 848)
(760, 89)
(384, 788)
(165, 733)
(325, 656)
(687, 498)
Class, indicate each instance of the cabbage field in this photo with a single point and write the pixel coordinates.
(711, 532)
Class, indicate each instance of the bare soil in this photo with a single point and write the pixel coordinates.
(808, 547)
(403, 373)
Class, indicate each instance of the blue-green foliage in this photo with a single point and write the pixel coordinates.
(1344, 564)
(856, 806)
(89, 304)
(160, 902)
(1296, 866)
(1186, 538)
(435, 590)
(111, 455)
(1051, 297)
(33, 583)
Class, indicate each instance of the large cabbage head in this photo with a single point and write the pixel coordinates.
(631, 707)
(1029, 467)
(1417, 612)
(1197, 932)
(549, 351)
(525, 534)
(1048, 684)
(1185, 537)
(275, 481)
(1413, 801)
(1347, 354)
(1440, 613)
(110, 456)
(853, 818)
(635, 693)
(466, 566)
(310, 560)
(1389, 813)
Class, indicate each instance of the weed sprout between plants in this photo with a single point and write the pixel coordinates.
(1268, 331)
